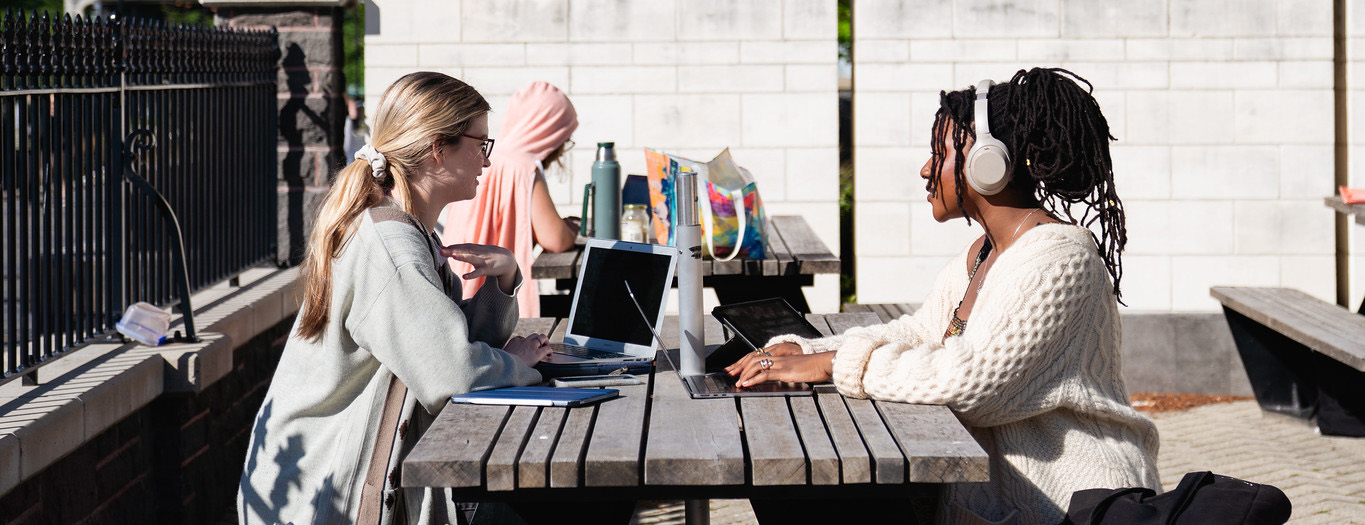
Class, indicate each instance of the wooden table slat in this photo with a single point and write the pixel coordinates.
(501, 473)
(855, 462)
(563, 265)
(533, 469)
(567, 462)
(775, 453)
(887, 312)
(856, 308)
(538, 325)
(887, 461)
(613, 458)
(805, 247)
(454, 448)
(778, 257)
(938, 449)
(820, 323)
(1321, 326)
(822, 459)
(840, 323)
(792, 249)
(691, 441)
(1337, 203)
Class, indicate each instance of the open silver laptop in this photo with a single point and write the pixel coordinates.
(604, 325)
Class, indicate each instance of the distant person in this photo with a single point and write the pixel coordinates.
(382, 335)
(1020, 334)
(354, 135)
(513, 208)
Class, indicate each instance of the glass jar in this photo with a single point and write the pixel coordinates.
(634, 223)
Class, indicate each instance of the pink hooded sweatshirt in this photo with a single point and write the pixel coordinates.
(539, 119)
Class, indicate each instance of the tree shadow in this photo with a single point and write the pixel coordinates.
(325, 502)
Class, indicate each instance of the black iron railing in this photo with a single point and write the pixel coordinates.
(80, 244)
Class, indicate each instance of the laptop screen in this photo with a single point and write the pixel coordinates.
(603, 310)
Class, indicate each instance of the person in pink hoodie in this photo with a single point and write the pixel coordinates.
(513, 208)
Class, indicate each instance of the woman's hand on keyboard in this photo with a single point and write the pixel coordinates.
(530, 350)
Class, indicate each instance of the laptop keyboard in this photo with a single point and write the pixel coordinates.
(585, 353)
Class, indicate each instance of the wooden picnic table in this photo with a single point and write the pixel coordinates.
(1358, 210)
(794, 256)
(655, 442)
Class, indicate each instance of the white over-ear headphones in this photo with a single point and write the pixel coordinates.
(988, 163)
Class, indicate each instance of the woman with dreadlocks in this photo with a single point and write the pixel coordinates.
(1020, 334)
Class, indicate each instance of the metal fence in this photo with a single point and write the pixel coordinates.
(79, 244)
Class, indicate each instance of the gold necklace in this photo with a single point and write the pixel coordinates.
(1015, 235)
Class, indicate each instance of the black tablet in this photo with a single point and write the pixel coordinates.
(755, 322)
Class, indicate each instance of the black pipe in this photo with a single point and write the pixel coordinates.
(139, 141)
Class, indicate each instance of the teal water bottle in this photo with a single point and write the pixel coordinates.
(606, 181)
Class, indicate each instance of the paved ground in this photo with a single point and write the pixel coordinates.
(1323, 476)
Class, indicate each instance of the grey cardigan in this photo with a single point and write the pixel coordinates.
(395, 311)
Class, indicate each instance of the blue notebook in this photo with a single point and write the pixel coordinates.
(541, 396)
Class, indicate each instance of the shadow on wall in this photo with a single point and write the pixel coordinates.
(297, 80)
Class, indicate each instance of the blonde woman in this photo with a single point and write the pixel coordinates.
(383, 338)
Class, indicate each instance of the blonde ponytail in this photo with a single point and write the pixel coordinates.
(414, 111)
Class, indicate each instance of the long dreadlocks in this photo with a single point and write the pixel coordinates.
(1059, 146)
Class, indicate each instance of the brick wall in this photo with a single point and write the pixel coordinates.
(312, 109)
(1223, 112)
(177, 460)
(689, 77)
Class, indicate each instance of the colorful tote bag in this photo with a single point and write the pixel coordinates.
(732, 216)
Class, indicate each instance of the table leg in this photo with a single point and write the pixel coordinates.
(697, 512)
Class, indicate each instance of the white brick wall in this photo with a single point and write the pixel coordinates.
(1223, 110)
(686, 76)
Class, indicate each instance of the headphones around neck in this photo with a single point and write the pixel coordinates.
(988, 162)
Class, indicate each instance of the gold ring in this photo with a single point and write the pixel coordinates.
(765, 363)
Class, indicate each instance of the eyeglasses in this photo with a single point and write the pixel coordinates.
(568, 145)
(486, 146)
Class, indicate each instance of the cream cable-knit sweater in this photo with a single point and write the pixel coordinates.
(1036, 377)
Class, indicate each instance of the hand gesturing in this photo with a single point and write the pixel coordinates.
(493, 261)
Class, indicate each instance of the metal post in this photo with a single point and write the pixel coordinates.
(142, 140)
(697, 512)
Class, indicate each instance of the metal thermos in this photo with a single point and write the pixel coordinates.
(692, 337)
(606, 181)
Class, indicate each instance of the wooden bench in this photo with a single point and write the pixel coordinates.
(885, 312)
(1304, 356)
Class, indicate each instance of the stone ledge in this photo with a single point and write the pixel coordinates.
(84, 394)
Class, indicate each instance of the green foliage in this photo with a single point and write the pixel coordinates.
(353, 50)
(845, 31)
(848, 280)
(186, 13)
(34, 7)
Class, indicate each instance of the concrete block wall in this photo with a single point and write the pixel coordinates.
(1223, 114)
(175, 460)
(687, 77)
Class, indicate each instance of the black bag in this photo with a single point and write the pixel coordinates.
(1202, 497)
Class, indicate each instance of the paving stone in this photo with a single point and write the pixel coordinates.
(1323, 476)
